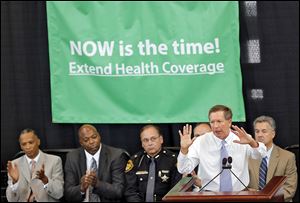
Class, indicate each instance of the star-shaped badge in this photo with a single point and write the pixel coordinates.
(164, 178)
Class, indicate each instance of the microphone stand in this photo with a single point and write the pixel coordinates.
(224, 167)
(238, 178)
(229, 166)
(212, 179)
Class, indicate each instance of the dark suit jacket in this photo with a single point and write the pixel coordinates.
(282, 163)
(111, 174)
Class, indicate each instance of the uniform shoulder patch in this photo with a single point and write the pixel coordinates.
(129, 166)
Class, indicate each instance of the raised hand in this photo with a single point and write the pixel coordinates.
(185, 138)
(41, 175)
(13, 171)
(245, 138)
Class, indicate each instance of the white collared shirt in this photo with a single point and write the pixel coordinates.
(269, 152)
(206, 151)
(89, 158)
(35, 159)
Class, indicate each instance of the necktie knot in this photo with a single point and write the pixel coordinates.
(32, 166)
(32, 162)
(93, 166)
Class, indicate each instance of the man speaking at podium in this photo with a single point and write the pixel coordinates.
(210, 150)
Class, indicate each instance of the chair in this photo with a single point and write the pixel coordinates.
(3, 185)
(62, 153)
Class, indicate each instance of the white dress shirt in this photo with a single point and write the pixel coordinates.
(89, 158)
(269, 155)
(206, 151)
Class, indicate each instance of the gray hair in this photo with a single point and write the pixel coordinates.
(267, 119)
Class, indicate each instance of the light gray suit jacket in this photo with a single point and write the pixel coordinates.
(54, 172)
(281, 163)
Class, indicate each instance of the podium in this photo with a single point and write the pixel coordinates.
(182, 192)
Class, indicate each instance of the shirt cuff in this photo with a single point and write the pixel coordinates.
(196, 188)
(14, 187)
(45, 186)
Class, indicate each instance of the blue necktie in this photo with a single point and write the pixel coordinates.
(263, 173)
(225, 177)
(151, 181)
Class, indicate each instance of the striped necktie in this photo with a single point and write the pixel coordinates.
(263, 169)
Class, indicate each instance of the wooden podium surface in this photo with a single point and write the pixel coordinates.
(181, 192)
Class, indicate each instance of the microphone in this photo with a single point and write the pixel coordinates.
(229, 160)
(229, 167)
(224, 165)
(224, 161)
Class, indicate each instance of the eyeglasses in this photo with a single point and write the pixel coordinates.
(152, 139)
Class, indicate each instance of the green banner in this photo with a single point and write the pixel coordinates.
(143, 62)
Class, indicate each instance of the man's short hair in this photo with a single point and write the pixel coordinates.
(27, 130)
(227, 111)
(150, 126)
(267, 119)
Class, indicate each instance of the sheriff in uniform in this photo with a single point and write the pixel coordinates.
(152, 172)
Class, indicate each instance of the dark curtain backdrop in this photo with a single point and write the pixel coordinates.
(269, 36)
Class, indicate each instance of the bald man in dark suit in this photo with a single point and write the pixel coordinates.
(104, 183)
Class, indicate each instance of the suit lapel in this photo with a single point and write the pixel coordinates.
(273, 162)
(255, 166)
(102, 161)
(82, 161)
(40, 162)
(24, 168)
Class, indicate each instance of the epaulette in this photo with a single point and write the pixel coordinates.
(169, 153)
(137, 155)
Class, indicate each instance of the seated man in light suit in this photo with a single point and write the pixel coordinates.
(35, 176)
(280, 162)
